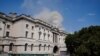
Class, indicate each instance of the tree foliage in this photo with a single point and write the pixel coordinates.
(85, 42)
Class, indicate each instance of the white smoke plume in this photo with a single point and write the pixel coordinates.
(52, 17)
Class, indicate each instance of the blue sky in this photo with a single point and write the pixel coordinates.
(72, 15)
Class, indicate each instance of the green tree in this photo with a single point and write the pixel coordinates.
(85, 42)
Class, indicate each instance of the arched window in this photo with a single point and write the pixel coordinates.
(48, 47)
(55, 49)
(32, 47)
(39, 47)
(26, 46)
(44, 47)
(11, 46)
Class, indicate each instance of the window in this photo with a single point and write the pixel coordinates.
(32, 35)
(48, 47)
(48, 31)
(31, 47)
(27, 25)
(0, 28)
(8, 26)
(39, 47)
(53, 38)
(44, 30)
(26, 34)
(3, 48)
(39, 28)
(32, 27)
(59, 39)
(11, 46)
(44, 35)
(48, 36)
(26, 45)
(7, 34)
(39, 34)
(42, 27)
(44, 47)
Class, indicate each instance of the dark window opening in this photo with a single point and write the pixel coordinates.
(44, 35)
(26, 34)
(8, 26)
(39, 28)
(55, 49)
(11, 46)
(0, 28)
(3, 48)
(27, 25)
(31, 47)
(32, 27)
(32, 35)
(39, 34)
(44, 47)
(7, 34)
(48, 47)
(39, 47)
(26, 45)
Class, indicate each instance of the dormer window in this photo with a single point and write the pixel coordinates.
(27, 25)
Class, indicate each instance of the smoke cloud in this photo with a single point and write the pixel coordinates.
(52, 17)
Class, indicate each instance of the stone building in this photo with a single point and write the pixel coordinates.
(22, 35)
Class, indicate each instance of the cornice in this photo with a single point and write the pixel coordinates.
(16, 18)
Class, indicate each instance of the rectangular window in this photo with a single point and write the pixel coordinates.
(7, 34)
(56, 38)
(27, 25)
(39, 34)
(39, 28)
(53, 37)
(26, 34)
(32, 27)
(32, 35)
(8, 26)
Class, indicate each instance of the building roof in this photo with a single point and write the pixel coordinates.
(13, 17)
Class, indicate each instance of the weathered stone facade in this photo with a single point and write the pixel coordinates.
(21, 34)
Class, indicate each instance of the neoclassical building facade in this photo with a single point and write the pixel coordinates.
(22, 35)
